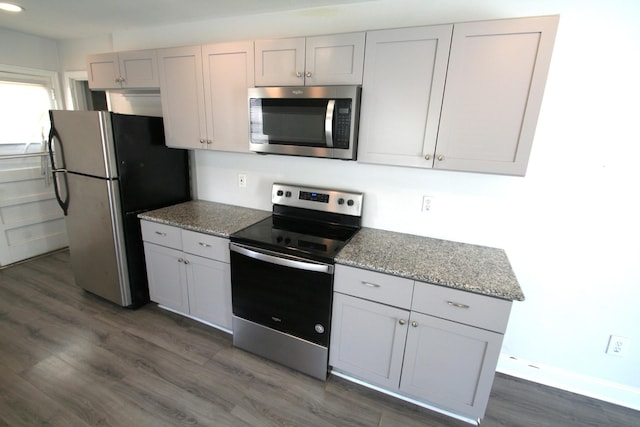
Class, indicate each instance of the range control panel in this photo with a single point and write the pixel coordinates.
(320, 199)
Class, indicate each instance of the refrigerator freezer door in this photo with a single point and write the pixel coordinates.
(96, 238)
(151, 175)
(85, 143)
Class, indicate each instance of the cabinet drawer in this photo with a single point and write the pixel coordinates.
(161, 234)
(206, 245)
(374, 286)
(460, 306)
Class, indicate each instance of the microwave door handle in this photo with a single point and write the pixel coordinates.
(328, 122)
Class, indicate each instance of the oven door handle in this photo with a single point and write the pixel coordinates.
(280, 259)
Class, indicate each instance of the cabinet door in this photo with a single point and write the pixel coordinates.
(449, 364)
(334, 60)
(496, 78)
(103, 71)
(209, 284)
(167, 277)
(139, 69)
(279, 62)
(228, 73)
(182, 96)
(367, 340)
(403, 84)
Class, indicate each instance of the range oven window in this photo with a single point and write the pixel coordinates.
(290, 300)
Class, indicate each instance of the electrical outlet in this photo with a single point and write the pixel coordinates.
(427, 203)
(242, 180)
(618, 346)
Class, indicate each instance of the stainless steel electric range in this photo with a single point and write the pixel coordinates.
(282, 275)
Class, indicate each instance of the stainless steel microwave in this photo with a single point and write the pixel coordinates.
(313, 121)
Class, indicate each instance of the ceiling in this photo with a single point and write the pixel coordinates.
(67, 19)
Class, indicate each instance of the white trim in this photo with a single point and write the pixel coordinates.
(73, 102)
(51, 76)
(608, 391)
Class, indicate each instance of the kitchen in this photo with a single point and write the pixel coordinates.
(573, 209)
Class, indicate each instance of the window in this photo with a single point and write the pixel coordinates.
(25, 101)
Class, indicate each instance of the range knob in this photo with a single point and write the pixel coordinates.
(280, 193)
(287, 194)
(350, 202)
(341, 201)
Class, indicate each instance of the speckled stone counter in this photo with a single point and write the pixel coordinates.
(461, 266)
(206, 217)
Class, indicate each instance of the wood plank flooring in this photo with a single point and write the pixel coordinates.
(68, 358)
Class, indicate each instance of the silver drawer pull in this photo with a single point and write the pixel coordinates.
(458, 305)
(204, 245)
(371, 285)
(160, 233)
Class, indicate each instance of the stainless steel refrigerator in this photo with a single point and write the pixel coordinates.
(107, 169)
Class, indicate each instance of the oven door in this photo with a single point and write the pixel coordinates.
(288, 294)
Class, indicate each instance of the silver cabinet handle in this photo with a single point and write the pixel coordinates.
(181, 260)
(209, 142)
(414, 324)
(298, 74)
(202, 141)
(427, 157)
(308, 74)
(160, 233)
(402, 321)
(371, 285)
(440, 157)
(457, 304)
(204, 245)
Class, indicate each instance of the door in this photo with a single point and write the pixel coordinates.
(334, 60)
(209, 286)
(403, 85)
(96, 238)
(280, 62)
(167, 277)
(228, 73)
(450, 364)
(367, 340)
(495, 82)
(84, 143)
(31, 223)
(282, 294)
(182, 97)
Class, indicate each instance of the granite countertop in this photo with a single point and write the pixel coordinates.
(206, 217)
(472, 268)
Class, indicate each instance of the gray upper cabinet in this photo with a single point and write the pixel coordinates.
(204, 95)
(123, 70)
(403, 84)
(495, 82)
(468, 105)
(323, 60)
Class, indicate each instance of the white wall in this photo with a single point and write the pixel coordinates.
(571, 227)
(28, 51)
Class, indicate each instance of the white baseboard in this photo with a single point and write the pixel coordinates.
(596, 388)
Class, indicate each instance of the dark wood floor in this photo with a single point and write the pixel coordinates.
(68, 358)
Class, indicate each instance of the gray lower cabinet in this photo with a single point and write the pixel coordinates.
(435, 345)
(189, 272)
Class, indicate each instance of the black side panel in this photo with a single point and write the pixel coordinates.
(151, 175)
(135, 260)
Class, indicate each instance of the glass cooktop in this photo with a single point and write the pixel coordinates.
(297, 237)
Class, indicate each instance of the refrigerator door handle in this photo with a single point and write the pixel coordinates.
(64, 203)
